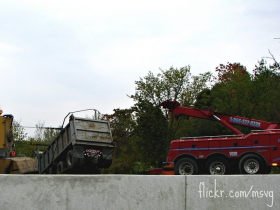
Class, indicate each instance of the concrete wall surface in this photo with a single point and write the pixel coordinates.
(67, 192)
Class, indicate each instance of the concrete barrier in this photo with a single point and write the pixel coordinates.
(139, 192)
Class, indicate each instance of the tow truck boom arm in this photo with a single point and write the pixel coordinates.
(226, 120)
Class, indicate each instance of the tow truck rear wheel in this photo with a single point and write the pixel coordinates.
(186, 166)
(217, 166)
(251, 164)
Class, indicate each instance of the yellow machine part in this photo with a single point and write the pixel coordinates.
(18, 165)
(6, 136)
(9, 164)
(4, 164)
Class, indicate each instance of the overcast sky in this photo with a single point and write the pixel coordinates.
(62, 56)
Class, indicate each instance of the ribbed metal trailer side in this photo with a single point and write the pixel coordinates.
(54, 150)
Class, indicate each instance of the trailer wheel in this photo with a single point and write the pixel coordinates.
(71, 161)
(217, 166)
(60, 167)
(186, 166)
(251, 164)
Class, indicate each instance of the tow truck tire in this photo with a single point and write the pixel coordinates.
(186, 166)
(251, 164)
(71, 161)
(217, 166)
(60, 167)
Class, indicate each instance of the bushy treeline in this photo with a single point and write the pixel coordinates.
(143, 132)
(26, 146)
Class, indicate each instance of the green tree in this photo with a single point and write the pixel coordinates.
(19, 131)
(236, 92)
(44, 134)
(151, 129)
(155, 128)
(126, 158)
(26, 145)
(175, 84)
(22, 147)
(267, 91)
(232, 92)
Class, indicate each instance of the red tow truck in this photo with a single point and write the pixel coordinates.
(253, 153)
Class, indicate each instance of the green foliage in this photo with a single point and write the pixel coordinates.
(275, 170)
(203, 100)
(196, 85)
(125, 156)
(143, 133)
(175, 84)
(18, 131)
(154, 128)
(25, 146)
(22, 147)
(236, 92)
(151, 129)
(231, 93)
(45, 135)
(267, 91)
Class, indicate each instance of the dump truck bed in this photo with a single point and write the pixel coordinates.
(84, 132)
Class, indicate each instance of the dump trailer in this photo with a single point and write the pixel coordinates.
(9, 163)
(83, 146)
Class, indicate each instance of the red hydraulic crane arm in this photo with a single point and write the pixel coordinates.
(224, 119)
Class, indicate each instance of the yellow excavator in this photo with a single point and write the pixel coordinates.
(9, 163)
